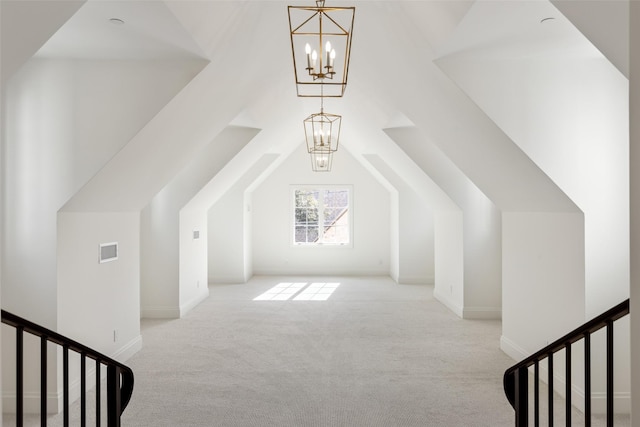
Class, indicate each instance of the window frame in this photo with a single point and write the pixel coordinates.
(321, 242)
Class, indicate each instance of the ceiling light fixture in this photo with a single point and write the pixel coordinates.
(321, 161)
(322, 135)
(321, 47)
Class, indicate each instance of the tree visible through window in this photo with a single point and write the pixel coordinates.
(321, 216)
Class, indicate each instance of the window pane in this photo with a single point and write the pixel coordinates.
(321, 216)
(312, 234)
(336, 198)
(301, 235)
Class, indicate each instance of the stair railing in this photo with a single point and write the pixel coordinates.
(119, 377)
(516, 378)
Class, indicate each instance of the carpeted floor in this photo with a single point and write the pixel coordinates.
(366, 352)
(374, 353)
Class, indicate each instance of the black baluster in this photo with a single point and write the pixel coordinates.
(550, 357)
(19, 376)
(587, 379)
(567, 353)
(83, 389)
(98, 386)
(43, 381)
(65, 380)
(609, 373)
(536, 394)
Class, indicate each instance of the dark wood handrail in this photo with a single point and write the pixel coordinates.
(120, 378)
(515, 377)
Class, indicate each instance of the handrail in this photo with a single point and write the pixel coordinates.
(515, 377)
(120, 377)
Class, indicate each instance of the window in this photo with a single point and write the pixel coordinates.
(321, 216)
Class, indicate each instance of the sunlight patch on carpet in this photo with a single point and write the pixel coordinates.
(317, 292)
(303, 291)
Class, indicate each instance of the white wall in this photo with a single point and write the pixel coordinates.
(273, 252)
(227, 240)
(161, 231)
(634, 120)
(449, 261)
(531, 319)
(569, 114)
(480, 252)
(97, 299)
(412, 210)
(416, 252)
(193, 278)
(63, 121)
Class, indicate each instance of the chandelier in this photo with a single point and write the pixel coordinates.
(321, 46)
(322, 135)
(321, 160)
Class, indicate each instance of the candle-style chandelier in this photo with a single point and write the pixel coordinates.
(322, 134)
(321, 47)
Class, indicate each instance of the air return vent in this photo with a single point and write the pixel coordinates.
(108, 252)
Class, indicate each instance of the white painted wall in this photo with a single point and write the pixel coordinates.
(531, 319)
(479, 296)
(449, 260)
(271, 207)
(412, 207)
(161, 232)
(569, 114)
(193, 259)
(227, 239)
(634, 121)
(95, 299)
(63, 121)
(416, 252)
(230, 224)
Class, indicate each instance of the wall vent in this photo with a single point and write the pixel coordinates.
(108, 252)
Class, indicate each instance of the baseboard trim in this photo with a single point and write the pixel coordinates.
(129, 349)
(622, 400)
(448, 303)
(512, 349)
(482, 313)
(188, 306)
(55, 399)
(414, 280)
(160, 312)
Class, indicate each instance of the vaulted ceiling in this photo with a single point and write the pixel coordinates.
(413, 66)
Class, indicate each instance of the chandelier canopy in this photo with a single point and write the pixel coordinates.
(321, 47)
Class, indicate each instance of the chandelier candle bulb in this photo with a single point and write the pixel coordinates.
(328, 53)
(307, 50)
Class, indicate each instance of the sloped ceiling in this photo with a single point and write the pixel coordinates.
(393, 80)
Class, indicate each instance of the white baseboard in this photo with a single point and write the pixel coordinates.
(622, 400)
(189, 305)
(129, 349)
(414, 280)
(482, 313)
(160, 312)
(55, 399)
(448, 303)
